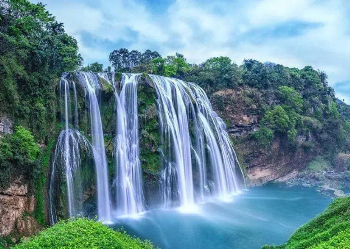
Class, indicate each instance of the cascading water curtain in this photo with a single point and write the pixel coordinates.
(67, 155)
(92, 86)
(193, 134)
(197, 155)
(130, 200)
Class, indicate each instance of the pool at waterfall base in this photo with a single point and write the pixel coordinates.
(256, 217)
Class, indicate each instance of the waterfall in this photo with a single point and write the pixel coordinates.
(92, 86)
(192, 132)
(128, 167)
(172, 104)
(198, 160)
(67, 156)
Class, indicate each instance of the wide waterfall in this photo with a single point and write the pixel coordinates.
(185, 112)
(197, 159)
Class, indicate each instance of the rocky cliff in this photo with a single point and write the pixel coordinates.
(16, 208)
(242, 109)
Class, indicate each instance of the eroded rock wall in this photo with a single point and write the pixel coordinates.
(16, 207)
(242, 109)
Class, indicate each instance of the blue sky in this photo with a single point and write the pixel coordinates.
(294, 33)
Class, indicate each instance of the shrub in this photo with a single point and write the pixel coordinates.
(292, 133)
(18, 153)
(82, 233)
(318, 163)
(291, 97)
(264, 136)
(23, 144)
(277, 119)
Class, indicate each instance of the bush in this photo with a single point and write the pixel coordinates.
(23, 144)
(318, 164)
(82, 233)
(328, 230)
(342, 161)
(277, 119)
(264, 136)
(291, 97)
(18, 153)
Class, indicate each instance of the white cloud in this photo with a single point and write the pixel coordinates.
(203, 29)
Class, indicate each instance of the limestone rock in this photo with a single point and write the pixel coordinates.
(27, 226)
(11, 208)
(14, 202)
(6, 125)
(16, 188)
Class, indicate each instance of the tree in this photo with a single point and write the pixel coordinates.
(134, 58)
(291, 97)
(176, 66)
(148, 56)
(34, 50)
(94, 67)
(158, 66)
(225, 74)
(277, 119)
(123, 60)
(254, 74)
(264, 136)
(120, 59)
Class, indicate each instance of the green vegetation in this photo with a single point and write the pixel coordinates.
(344, 109)
(329, 230)
(80, 234)
(34, 52)
(94, 67)
(18, 153)
(318, 164)
(264, 136)
(149, 130)
(293, 103)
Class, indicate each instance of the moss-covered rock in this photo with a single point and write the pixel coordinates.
(149, 129)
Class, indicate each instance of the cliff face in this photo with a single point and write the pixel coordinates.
(16, 207)
(242, 110)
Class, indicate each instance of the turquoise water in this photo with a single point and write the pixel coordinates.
(258, 216)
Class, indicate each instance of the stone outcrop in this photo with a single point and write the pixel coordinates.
(27, 226)
(5, 125)
(15, 202)
(242, 110)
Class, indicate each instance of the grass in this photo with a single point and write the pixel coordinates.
(329, 230)
(82, 233)
(318, 164)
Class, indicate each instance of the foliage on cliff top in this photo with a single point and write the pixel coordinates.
(296, 105)
(34, 51)
(82, 233)
(329, 230)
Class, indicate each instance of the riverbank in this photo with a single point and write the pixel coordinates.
(330, 183)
